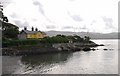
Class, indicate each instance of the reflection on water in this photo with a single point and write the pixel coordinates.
(42, 63)
(45, 58)
(91, 62)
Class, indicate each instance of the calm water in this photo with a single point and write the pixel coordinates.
(91, 62)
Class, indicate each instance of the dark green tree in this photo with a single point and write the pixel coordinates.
(9, 31)
(2, 16)
(78, 38)
(87, 38)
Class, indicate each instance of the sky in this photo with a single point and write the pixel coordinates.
(99, 16)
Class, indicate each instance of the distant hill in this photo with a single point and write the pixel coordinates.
(92, 35)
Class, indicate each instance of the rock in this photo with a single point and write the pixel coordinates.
(101, 45)
(93, 49)
(111, 49)
(60, 49)
(86, 49)
(105, 49)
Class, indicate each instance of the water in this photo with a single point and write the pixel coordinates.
(92, 62)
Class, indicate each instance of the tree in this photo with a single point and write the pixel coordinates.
(9, 31)
(78, 38)
(3, 17)
(87, 38)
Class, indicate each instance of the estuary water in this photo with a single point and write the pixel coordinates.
(98, 61)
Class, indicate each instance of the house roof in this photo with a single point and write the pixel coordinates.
(29, 32)
(32, 32)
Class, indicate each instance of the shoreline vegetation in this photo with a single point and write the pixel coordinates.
(58, 43)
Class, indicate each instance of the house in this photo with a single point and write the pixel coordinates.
(26, 34)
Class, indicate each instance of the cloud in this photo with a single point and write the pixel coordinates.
(75, 17)
(67, 27)
(108, 22)
(34, 19)
(59, 15)
(21, 24)
(41, 10)
(40, 6)
(14, 15)
(50, 26)
(75, 28)
(5, 2)
(94, 21)
(83, 28)
(71, 0)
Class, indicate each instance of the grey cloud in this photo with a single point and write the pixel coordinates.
(13, 15)
(94, 21)
(49, 20)
(83, 28)
(50, 26)
(71, 0)
(40, 6)
(34, 19)
(5, 2)
(21, 24)
(108, 22)
(75, 17)
(71, 27)
(67, 27)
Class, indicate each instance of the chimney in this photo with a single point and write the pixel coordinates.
(25, 28)
(32, 28)
(36, 29)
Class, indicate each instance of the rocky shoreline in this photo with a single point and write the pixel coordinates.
(54, 48)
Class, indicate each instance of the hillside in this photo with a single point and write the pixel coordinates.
(92, 35)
